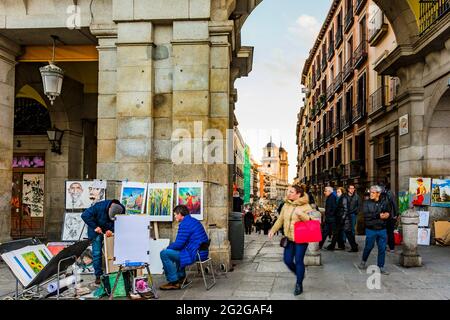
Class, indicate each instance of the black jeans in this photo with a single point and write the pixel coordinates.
(351, 239)
(248, 229)
(337, 236)
(390, 227)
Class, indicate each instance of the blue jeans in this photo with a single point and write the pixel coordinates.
(97, 245)
(171, 263)
(353, 224)
(380, 236)
(296, 251)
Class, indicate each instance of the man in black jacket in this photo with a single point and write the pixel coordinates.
(353, 205)
(376, 213)
(331, 220)
(388, 195)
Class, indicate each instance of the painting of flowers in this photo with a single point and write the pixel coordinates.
(33, 261)
(191, 195)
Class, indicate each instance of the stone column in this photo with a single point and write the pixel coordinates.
(313, 256)
(393, 153)
(8, 51)
(409, 256)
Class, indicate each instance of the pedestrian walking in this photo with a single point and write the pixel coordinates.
(376, 213)
(248, 220)
(354, 203)
(346, 218)
(389, 197)
(330, 227)
(267, 222)
(296, 209)
(340, 214)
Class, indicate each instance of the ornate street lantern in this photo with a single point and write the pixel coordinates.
(55, 136)
(52, 77)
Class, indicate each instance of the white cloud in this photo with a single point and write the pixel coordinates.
(305, 29)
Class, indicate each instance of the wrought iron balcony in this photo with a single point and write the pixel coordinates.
(315, 144)
(336, 129)
(327, 134)
(348, 69)
(324, 61)
(360, 54)
(431, 11)
(330, 92)
(331, 51)
(378, 100)
(338, 82)
(346, 121)
(358, 111)
(318, 74)
(359, 6)
(321, 140)
(313, 80)
(344, 171)
(334, 173)
(339, 35)
(349, 18)
(322, 101)
(378, 28)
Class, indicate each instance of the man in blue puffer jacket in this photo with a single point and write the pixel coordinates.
(100, 220)
(183, 252)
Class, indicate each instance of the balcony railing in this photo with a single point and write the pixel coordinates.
(431, 11)
(327, 134)
(338, 82)
(315, 144)
(360, 54)
(336, 129)
(349, 18)
(321, 140)
(348, 69)
(322, 101)
(330, 92)
(339, 36)
(358, 111)
(331, 51)
(377, 28)
(344, 171)
(346, 121)
(324, 61)
(359, 5)
(378, 100)
(318, 73)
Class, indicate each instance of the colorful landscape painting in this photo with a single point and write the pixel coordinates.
(33, 261)
(133, 197)
(160, 201)
(440, 194)
(420, 191)
(191, 195)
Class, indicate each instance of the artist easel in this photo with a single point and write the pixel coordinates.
(134, 267)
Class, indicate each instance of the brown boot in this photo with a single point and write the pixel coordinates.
(171, 286)
(98, 281)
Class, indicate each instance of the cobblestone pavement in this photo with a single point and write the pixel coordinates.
(262, 275)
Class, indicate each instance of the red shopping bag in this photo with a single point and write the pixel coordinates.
(307, 231)
(397, 238)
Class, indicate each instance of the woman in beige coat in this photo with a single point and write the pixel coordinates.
(296, 208)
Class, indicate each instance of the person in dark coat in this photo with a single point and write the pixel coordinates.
(183, 252)
(354, 203)
(388, 196)
(376, 213)
(248, 221)
(343, 212)
(266, 222)
(330, 225)
(340, 214)
(100, 221)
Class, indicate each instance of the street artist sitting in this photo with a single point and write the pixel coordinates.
(183, 252)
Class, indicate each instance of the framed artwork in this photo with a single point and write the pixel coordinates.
(440, 194)
(403, 201)
(133, 197)
(74, 228)
(33, 194)
(160, 201)
(423, 236)
(424, 218)
(84, 194)
(27, 262)
(140, 284)
(420, 191)
(403, 126)
(85, 262)
(190, 194)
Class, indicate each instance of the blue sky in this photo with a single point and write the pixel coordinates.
(282, 32)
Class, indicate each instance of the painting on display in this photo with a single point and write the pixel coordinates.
(403, 125)
(420, 191)
(440, 195)
(84, 194)
(424, 218)
(190, 194)
(133, 197)
(27, 262)
(33, 195)
(423, 236)
(74, 228)
(160, 201)
(403, 201)
(85, 263)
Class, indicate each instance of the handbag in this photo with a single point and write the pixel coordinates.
(285, 240)
(307, 231)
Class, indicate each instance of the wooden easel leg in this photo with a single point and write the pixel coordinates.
(152, 284)
(111, 296)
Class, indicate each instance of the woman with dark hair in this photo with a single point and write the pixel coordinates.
(295, 209)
